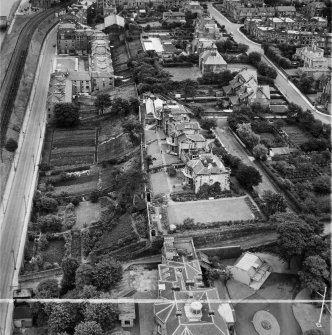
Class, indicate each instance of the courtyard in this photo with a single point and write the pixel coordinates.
(205, 211)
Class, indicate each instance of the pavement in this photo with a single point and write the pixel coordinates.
(236, 149)
(14, 222)
(288, 89)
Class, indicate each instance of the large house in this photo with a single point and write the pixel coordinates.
(60, 91)
(210, 61)
(206, 169)
(193, 7)
(174, 17)
(313, 57)
(250, 270)
(106, 7)
(314, 9)
(244, 89)
(186, 306)
(101, 69)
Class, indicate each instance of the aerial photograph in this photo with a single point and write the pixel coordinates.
(165, 167)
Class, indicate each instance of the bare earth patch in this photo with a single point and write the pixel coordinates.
(86, 213)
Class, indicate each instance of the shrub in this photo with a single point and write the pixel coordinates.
(171, 171)
(75, 201)
(11, 145)
(94, 196)
(48, 204)
(49, 224)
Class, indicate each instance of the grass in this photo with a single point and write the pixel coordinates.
(204, 211)
(134, 47)
(54, 252)
(126, 92)
(81, 188)
(296, 134)
(182, 73)
(122, 230)
(86, 213)
(159, 183)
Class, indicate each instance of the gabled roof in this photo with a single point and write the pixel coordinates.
(286, 9)
(212, 57)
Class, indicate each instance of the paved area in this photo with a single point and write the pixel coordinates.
(13, 227)
(307, 314)
(143, 280)
(145, 313)
(283, 84)
(209, 210)
(236, 149)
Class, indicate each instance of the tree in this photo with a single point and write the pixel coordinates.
(49, 224)
(134, 129)
(260, 152)
(47, 289)
(248, 176)
(107, 273)
(88, 328)
(207, 124)
(103, 101)
(243, 48)
(134, 105)
(120, 107)
(89, 292)
(84, 275)
(274, 203)
(11, 145)
(66, 114)
(247, 135)
(312, 221)
(61, 317)
(48, 204)
(305, 84)
(254, 58)
(104, 314)
(189, 87)
(322, 184)
(314, 274)
(197, 111)
(94, 196)
(294, 235)
(69, 266)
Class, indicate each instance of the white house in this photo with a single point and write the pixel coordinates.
(313, 57)
(250, 270)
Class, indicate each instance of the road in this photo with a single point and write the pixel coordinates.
(235, 148)
(13, 227)
(288, 89)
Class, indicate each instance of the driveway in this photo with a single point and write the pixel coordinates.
(288, 89)
(235, 148)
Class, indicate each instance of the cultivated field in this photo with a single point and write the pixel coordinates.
(296, 135)
(73, 147)
(205, 211)
(134, 47)
(125, 92)
(182, 73)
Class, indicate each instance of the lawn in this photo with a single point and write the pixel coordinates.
(80, 188)
(182, 73)
(159, 183)
(296, 134)
(86, 213)
(277, 286)
(125, 91)
(205, 211)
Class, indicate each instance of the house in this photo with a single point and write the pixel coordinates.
(313, 57)
(206, 169)
(44, 3)
(186, 306)
(244, 89)
(281, 151)
(199, 45)
(22, 316)
(207, 28)
(174, 17)
(250, 270)
(81, 81)
(101, 69)
(160, 42)
(210, 61)
(60, 91)
(289, 11)
(314, 9)
(127, 314)
(194, 7)
(106, 7)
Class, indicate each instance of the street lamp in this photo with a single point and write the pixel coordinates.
(12, 251)
(319, 324)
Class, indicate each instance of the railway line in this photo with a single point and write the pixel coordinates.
(11, 81)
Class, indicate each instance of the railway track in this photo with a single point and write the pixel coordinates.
(11, 81)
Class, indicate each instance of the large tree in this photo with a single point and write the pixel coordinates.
(254, 58)
(314, 274)
(47, 289)
(120, 107)
(106, 314)
(207, 124)
(260, 151)
(189, 88)
(248, 176)
(84, 275)
(66, 114)
(62, 317)
(103, 101)
(274, 202)
(250, 138)
(107, 273)
(294, 235)
(49, 223)
(69, 266)
(88, 328)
